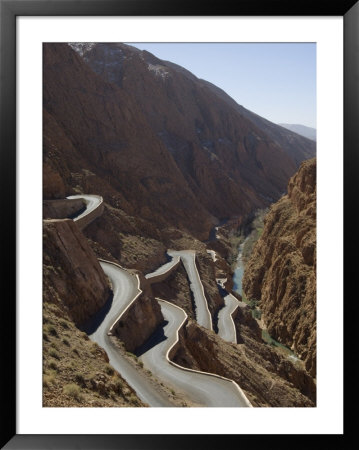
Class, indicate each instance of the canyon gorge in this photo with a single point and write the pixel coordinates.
(179, 170)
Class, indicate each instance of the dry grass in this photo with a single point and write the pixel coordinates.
(72, 390)
(76, 372)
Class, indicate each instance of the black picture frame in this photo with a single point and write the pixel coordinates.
(9, 10)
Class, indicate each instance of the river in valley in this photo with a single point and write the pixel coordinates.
(239, 270)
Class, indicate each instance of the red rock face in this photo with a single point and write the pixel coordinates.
(72, 275)
(155, 139)
(281, 272)
(266, 377)
(112, 141)
(141, 319)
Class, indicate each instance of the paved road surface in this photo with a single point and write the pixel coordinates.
(163, 269)
(205, 390)
(92, 202)
(226, 328)
(125, 288)
(203, 316)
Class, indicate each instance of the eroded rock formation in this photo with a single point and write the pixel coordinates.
(281, 273)
(141, 319)
(267, 378)
(62, 208)
(72, 273)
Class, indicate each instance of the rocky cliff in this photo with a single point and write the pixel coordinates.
(153, 140)
(267, 378)
(171, 157)
(281, 273)
(72, 273)
(141, 319)
(298, 147)
(62, 208)
(75, 370)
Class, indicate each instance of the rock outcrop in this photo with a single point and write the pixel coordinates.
(141, 319)
(127, 240)
(246, 325)
(72, 273)
(62, 208)
(176, 289)
(267, 378)
(53, 184)
(281, 273)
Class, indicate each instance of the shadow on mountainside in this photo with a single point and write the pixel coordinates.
(95, 321)
(157, 337)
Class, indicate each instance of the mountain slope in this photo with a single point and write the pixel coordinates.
(167, 148)
(281, 272)
(297, 147)
(171, 156)
(308, 132)
(102, 131)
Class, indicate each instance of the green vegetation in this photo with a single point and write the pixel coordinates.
(72, 390)
(253, 304)
(269, 340)
(256, 232)
(235, 241)
(256, 314)
(246, 237)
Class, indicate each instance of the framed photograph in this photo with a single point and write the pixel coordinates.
(151, 151)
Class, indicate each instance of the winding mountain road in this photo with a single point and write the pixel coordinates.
(92, 203)
(165, 268)
(205, 389)
(226, 328)
(125, 288)
(203, 315)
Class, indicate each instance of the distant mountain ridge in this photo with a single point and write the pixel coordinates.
(298, 148)
(308, 132)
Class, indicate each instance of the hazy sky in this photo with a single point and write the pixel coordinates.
(276, 81)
